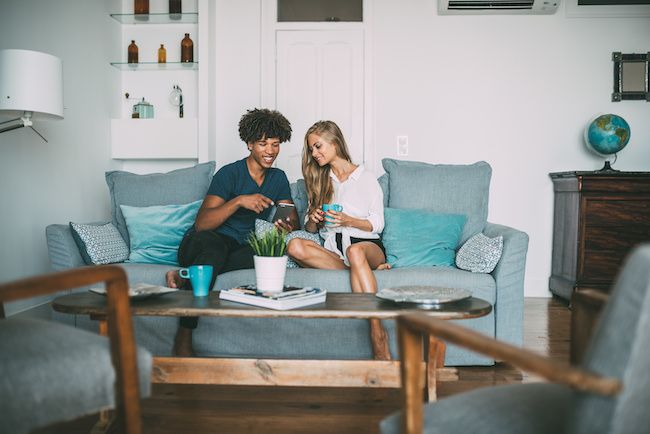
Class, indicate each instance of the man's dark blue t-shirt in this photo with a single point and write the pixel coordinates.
(234, 180)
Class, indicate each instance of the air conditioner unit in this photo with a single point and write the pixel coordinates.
(494, 7)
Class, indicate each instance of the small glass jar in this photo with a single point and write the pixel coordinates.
(162, 54)
(132, 53)
(187, 49)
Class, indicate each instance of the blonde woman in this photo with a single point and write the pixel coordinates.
(351, 236)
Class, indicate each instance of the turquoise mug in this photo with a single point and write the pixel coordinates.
(331, 207)
(200, 277)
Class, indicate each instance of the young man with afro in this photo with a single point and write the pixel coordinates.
(240, 192)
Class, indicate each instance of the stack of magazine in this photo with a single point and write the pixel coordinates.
(289, 298)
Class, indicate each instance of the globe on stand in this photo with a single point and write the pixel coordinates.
(606, 135)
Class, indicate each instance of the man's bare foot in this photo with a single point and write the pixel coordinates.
(183, 343)
(384, 266)
(379, 340)
(174, 280)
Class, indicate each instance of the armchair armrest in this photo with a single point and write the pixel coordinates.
(412, 326)
(120, 328)
(509, 278)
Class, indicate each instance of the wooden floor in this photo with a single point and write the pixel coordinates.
(179, 409)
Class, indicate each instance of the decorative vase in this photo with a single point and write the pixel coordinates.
(162, 54)
(187, 49)
(270, 272)
(175, 9)
(132, 56)
(141, 9)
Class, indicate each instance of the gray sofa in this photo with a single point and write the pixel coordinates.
(460, 189)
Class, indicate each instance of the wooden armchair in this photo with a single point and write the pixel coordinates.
(610, 392)
(53, 372)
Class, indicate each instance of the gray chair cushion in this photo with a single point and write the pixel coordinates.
(616, 339)
(522, 408)
(451, 189)
(53, 372)
(173, 188)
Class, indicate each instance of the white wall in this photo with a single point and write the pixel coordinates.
(63, 180)
(515, 91)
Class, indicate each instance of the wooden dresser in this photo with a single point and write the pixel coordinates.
(598, 218)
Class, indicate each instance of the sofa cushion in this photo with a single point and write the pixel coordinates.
(156, 231)
(421, 237)
(66, 371)
(443, 188)
(99, 243)
(299, 196)
(172, 188)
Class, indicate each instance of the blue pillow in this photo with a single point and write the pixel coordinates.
(155, 232)
(420, 237)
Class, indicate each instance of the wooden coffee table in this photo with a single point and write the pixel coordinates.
(283, 372)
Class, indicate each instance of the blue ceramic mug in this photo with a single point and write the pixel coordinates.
(331, 207)
(200, 277)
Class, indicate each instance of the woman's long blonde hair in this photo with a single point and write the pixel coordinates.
(317, 178)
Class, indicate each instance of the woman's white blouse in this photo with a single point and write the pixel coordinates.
(361, 197)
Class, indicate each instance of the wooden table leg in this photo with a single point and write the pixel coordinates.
(106, 417)
(435, 359)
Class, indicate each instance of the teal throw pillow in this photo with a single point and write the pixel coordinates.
(155, 232)
(420, 237)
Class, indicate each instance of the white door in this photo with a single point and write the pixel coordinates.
(319, 76)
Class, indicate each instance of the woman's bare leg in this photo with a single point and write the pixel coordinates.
(363, 258)
(309, 254)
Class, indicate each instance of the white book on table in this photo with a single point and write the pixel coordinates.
(290, 298)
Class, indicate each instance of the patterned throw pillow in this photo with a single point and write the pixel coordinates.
(480, 254)
(99, 243)
(263, 226)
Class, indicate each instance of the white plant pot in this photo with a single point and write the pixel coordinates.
(269, 272)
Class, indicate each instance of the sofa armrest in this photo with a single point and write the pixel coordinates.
(509, 278)
(62, 249)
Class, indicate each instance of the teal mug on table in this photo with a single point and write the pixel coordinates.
(331, 207)
(200, 277)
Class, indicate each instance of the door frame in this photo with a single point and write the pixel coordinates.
(268, 98)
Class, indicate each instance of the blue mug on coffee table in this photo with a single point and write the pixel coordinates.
(331, 207)
(200, 277)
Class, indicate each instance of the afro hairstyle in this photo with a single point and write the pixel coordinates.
(258, 124)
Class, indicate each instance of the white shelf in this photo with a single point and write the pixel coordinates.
(163, 138)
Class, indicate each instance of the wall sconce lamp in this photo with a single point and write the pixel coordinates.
(31, 88)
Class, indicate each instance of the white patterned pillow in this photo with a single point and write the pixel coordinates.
(99, 243)
(480, 254)
(263, 226)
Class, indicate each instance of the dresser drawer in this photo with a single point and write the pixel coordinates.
(616, 212)
(617, 238)
(600, 266)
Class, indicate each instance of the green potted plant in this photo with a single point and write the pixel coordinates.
(270, 259)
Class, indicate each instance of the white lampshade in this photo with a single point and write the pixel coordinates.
(31, 81)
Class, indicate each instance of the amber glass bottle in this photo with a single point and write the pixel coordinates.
(175, 9)
(162, 54)
(187, 49)
(141, 7)
(133, 53)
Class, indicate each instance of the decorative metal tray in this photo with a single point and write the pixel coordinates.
(423, 295)
(140, 291)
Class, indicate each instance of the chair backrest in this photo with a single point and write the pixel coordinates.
(620, 348)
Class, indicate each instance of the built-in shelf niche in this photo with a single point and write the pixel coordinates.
(164, 138)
